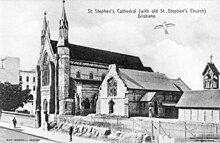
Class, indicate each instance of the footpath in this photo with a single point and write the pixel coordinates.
(48, 136)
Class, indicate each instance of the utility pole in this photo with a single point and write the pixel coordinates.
(185, 131)
(152, 131)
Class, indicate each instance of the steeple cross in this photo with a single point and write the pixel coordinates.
(211, 56)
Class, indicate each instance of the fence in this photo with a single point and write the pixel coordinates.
(182, 131)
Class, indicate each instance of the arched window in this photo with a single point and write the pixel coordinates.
(91, 75)
(78, 74)
(30, 98)
(45, 105)
(215, 81)
(86, 103)
(45, 71)
(215, 78)
(93, 102)
(112, 87)
(103, 76)
(111, 106)
(20, 78)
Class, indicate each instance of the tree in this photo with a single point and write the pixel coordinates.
(12, 96)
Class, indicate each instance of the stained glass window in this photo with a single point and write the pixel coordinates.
(112, 87)
(46, 71)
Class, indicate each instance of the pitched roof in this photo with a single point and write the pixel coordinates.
(180, 84)
(200, 99)
(148, 96)
(212, 67)
(136, 79)
(83, 53)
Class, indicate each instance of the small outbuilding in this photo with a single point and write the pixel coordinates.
(200, 106)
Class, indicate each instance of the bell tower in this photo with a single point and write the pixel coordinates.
(210, 76)
(65, 107)
(63, 29)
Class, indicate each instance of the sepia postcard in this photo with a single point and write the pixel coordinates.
(143, 71)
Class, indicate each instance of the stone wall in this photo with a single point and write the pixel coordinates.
(137, 108)
(89, 89)
(118, 108)
(101, 133)
(64, 77)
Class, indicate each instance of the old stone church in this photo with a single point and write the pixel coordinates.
(131, 92)
(69, 75)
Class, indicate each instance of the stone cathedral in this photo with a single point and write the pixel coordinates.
(69, 75)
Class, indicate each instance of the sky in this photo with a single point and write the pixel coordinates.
(183, 52)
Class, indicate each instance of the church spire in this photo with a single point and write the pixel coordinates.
(45, 29)
(63, 28)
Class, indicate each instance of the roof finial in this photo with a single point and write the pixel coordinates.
(63, 12)
(44, 23)
(211, 56)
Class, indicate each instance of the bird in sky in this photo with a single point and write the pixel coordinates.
(164, 26)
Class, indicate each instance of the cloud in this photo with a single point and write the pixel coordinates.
(176, 60)
(20, 34)
(118, 36)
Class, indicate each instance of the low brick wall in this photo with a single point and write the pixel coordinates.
(22, 119)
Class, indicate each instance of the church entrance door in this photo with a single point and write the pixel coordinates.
(45, 104)
(111, 106)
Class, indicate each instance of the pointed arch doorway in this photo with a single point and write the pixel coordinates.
(155, 108)
(45, 105)
(111, 106)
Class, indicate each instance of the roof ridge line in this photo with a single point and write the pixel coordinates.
(121, 74)
(100, 49)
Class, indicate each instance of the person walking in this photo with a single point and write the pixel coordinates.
(70, 132)
(14, 121)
